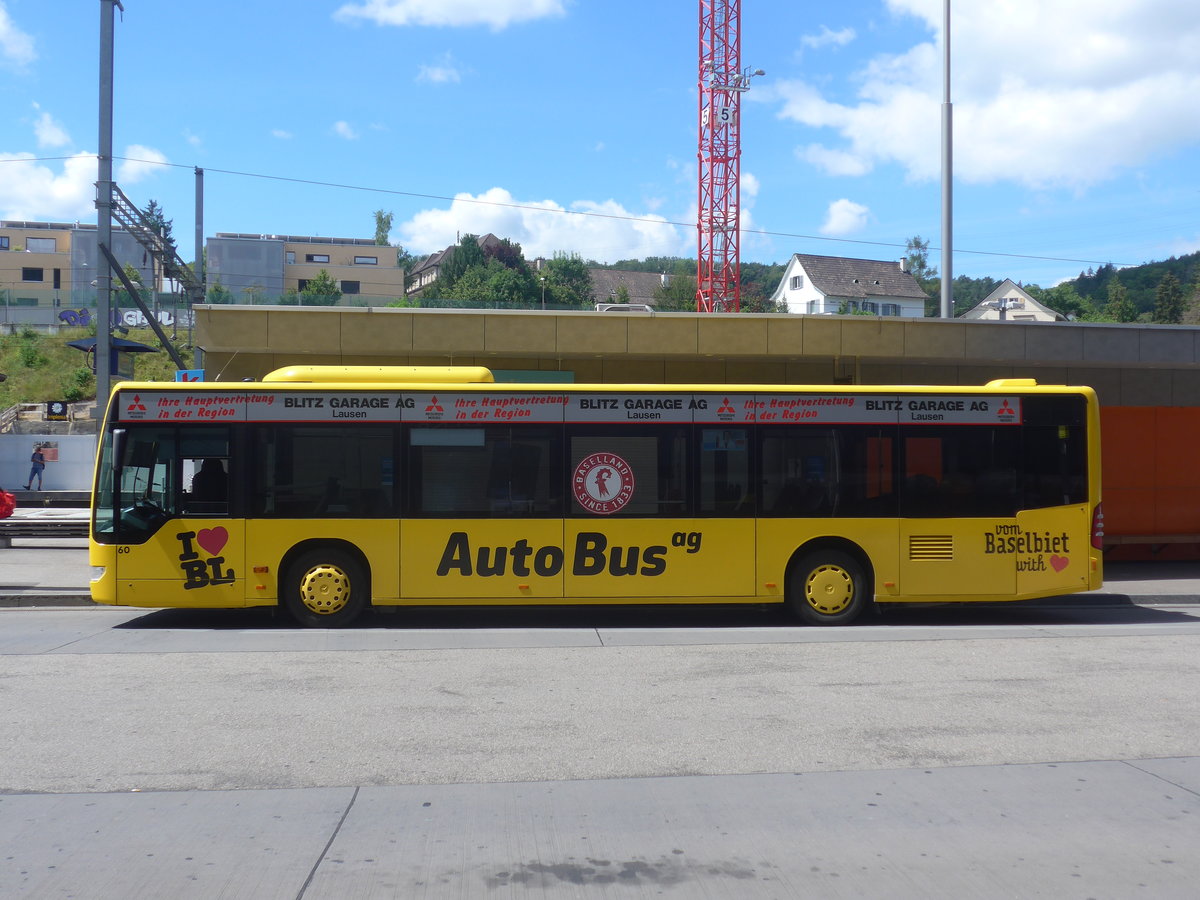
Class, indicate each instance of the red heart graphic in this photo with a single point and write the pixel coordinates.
(212, 539)
(1058, 563)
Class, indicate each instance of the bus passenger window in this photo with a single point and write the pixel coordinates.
(205, 460)
(208, 484)
(725, 481)
(321, 471)
(657, 461)
(800, 473)
(484, 471)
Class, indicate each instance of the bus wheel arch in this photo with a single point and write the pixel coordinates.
(324, 583)
(829, 581)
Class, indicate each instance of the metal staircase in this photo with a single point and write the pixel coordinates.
(162, 249)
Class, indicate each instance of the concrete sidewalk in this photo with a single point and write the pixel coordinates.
(37, 571)
(55, 572)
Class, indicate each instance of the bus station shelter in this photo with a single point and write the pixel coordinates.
(1146, 376)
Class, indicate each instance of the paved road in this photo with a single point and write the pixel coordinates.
(1017, 751)
(216, 755)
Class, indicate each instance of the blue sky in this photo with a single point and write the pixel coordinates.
(1077, 137)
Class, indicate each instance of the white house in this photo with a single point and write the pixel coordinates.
(832, 284)
(1009, 303)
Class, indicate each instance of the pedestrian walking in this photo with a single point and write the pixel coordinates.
(37, 466)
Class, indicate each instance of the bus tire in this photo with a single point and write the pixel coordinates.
(828, 587)
(325, 588)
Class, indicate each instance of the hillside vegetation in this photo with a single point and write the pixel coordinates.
(1141, 282)
(41, 367)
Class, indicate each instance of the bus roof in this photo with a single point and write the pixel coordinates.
(381, 375)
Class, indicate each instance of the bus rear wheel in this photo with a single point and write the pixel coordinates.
(325, 588)
(828, 587)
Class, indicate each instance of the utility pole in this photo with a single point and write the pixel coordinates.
(104, 185)
(947, 304)
(191, 301)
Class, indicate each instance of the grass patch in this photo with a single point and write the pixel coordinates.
(42, 367)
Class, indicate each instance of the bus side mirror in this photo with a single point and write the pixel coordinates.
(118, 452)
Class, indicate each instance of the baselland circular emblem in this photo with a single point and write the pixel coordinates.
(603, 483)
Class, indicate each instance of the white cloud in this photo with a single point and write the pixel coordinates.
(140, 163)
(343, 130)
(1094, 89)
(544, 227)
(33, 191)
(16, 47)
(750, 186)
(442, 72)
(495, 14)
(826, 38)
(281, 134)
(844, 217)
(833, 162)
(49, 132)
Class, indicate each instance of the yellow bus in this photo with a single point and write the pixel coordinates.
(325, 490)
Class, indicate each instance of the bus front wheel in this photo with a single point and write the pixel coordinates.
(325, 589)
(828, 587)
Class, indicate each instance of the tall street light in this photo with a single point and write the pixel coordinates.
(947, 299)
(104, 193)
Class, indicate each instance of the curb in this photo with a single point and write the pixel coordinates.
(66, 598)
(83, 599)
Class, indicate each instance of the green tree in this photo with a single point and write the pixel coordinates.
(568, 282)
(755, 304)
(508, 253)
(1063, 298)
(917, 254)
(1191, 306)
(160, 223)
(320, 291)
(759, 282)
(678, 294)
(467, 254)
(218, 293)
(1119, 307)
(405, 261)
(470, 288)
(383, 227)
(121, 297)
(1168, 301)
(512, 288)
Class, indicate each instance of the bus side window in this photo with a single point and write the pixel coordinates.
(205, 466)
(209, 482)
(800, 473)
(726, 485)
(657, 456)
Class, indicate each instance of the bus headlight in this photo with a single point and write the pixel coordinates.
(98, 573)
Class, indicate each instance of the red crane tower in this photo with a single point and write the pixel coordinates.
(722, 83)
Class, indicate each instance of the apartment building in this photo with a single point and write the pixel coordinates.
(52, 265)
(252, 267)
